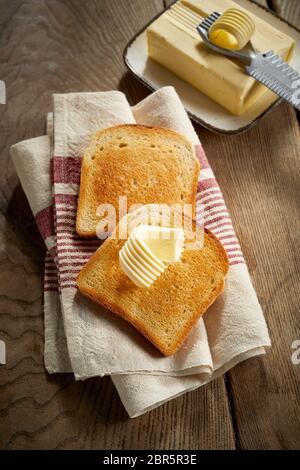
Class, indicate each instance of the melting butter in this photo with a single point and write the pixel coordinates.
(144, 256)
(222, 38)
(232, 30)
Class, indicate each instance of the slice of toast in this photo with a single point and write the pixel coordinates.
(165, 312)
(145, 164)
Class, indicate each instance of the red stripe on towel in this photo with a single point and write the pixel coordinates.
(73, 252)
(44, 220)
(66, 170)
(70, 200)
(209, 183)
(200, 154)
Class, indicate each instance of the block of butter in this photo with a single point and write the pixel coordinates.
(174, 42)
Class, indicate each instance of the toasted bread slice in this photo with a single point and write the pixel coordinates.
(165, 312)
(145, 164)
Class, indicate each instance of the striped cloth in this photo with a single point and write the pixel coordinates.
(73, 252)
(232, 330)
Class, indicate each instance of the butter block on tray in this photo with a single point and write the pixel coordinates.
(174, 42)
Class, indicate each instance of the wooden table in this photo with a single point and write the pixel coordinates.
(51, 46)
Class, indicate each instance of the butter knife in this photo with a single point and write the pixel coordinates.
(267, 68)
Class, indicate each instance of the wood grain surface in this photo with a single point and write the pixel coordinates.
(59, 46)
(288, 9)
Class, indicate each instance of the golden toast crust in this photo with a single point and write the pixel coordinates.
(145, 164)
(165, 312)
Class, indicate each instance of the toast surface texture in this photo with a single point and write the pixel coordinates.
(165, 312)
(145, 164)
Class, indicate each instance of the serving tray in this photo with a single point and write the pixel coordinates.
(201, 108)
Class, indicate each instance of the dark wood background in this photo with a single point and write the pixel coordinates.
(51, 46)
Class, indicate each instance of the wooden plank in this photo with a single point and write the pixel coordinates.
(262, 2)
(48, 47)
(288, 9)
(259, 174)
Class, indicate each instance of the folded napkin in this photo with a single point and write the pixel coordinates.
(82, 337)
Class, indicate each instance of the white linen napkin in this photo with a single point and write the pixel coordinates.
(234, 327)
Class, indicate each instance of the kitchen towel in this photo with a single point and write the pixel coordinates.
(233, 328)
(99, 342)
